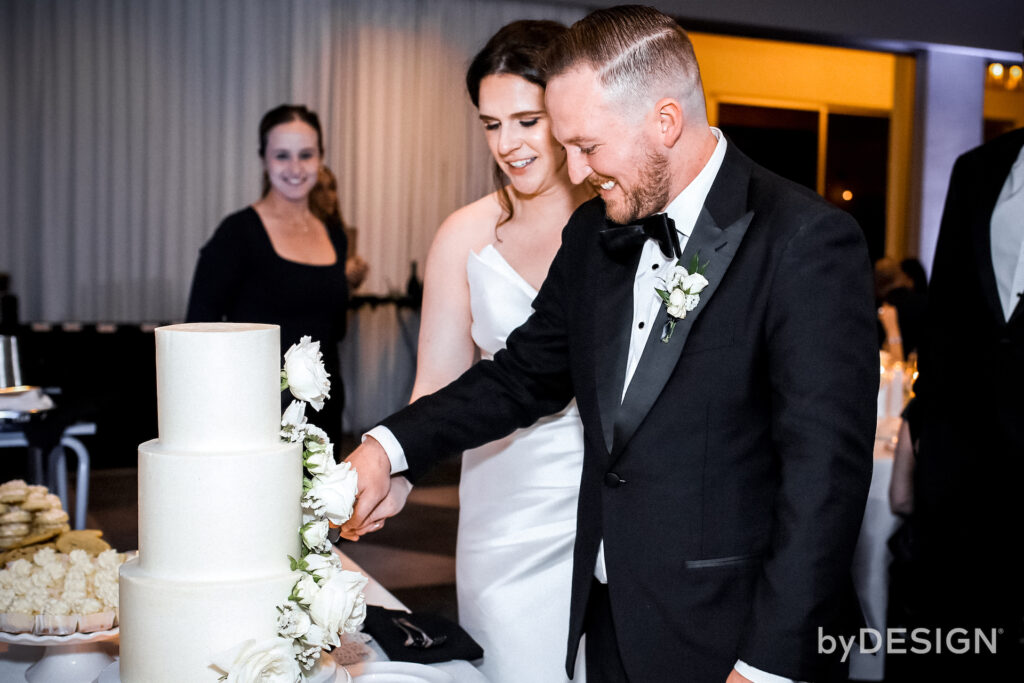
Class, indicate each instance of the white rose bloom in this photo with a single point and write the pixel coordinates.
(314, 534)
(677, 311)
(691, 301)
(292, 622)
(319, 462)
(268, 661)
(337, 490)
(695, 284)
(307, 378)
(293, 422)
(316, 439)
(305, 589)
(677, 298)
(340, 605)
(322, 565)
(316, 637)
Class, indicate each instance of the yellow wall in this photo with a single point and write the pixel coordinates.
(1005, 105)
(827, 79)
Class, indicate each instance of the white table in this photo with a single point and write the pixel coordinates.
(461, 670)
(56, 465)
(15, 660)
(871, 558)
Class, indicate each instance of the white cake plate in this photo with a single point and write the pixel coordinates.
(327, 671)
(74, 658)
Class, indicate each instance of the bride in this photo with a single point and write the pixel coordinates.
(517, 496)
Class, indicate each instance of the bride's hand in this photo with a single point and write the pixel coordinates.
(389, 507)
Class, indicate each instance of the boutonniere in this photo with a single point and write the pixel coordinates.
(682, 293)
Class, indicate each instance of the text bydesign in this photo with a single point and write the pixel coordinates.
(922, 641)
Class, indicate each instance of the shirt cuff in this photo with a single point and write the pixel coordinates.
(394, 450)
(758, 676)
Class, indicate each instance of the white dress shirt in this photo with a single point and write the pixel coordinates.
(1008, 238)
(683, 210)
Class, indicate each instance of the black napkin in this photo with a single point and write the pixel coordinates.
(459, 644)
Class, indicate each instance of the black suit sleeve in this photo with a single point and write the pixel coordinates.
(526, 381)
(218, 275)
(823, 368)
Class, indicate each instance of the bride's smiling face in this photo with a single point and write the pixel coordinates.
(518, 132)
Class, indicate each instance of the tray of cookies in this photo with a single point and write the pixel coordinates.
(53, 581)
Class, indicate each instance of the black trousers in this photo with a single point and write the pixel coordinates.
(604, 662)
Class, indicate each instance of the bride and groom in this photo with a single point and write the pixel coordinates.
(727, 430)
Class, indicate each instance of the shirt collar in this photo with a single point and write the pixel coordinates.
(685, 208)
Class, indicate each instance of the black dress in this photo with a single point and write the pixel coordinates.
(240, 278)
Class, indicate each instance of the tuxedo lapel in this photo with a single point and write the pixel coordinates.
(613, 317)
(989, 186)
(716, 247)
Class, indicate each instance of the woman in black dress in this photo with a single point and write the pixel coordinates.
(275, 261)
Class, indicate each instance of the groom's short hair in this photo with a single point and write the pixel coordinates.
(638, 53)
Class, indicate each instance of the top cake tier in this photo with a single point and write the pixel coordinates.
(218, 385)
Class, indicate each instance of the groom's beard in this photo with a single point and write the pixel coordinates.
(648, 195)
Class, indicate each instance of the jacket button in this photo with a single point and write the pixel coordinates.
(612, 480)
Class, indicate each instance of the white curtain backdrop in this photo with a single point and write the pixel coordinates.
(130, 129)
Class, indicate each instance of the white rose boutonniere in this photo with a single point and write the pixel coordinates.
(269, 661)
(339, 606)
(681, 293)
(304, 373)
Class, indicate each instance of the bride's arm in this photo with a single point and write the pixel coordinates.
(446, 348)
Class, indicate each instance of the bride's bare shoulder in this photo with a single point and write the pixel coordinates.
(471, 227)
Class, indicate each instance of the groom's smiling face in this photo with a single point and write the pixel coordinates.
(606, 146)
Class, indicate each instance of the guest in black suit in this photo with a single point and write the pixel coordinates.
(276, 261)
(726, 464)
(968, 520)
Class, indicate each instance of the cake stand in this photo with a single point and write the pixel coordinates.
(74, 658)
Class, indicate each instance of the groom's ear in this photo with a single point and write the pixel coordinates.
(670, 120)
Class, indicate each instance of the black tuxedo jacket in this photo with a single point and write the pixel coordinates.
(730, 483)
(970, 464)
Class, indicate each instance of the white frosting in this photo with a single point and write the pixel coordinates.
(218, 516)
(218, 385)
(218, 506)
(172, 630)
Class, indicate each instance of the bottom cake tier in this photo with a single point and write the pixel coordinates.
(172, 630)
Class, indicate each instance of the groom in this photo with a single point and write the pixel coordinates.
(728, 452)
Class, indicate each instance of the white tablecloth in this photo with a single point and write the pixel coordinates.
(872, 557)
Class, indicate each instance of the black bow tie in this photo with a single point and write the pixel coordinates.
(624, 240)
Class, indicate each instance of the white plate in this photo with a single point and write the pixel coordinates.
(397, 672)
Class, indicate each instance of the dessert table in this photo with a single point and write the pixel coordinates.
(84, 663)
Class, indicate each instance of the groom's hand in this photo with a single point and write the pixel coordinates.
(737, 677)
(374, 470)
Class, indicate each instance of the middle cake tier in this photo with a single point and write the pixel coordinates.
(218, 515)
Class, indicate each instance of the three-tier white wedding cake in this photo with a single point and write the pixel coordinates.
(218, 505)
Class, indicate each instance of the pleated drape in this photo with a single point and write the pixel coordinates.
(129, 129)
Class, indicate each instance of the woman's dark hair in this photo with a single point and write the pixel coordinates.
(283, 114)
(517, 49)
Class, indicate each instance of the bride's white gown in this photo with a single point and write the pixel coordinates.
(517, 514)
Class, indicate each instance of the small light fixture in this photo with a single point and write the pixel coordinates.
(995, 69)
(847, 195)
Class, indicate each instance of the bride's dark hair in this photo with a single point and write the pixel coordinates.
(517, 49)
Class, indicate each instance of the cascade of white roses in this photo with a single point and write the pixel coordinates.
(326, 600)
